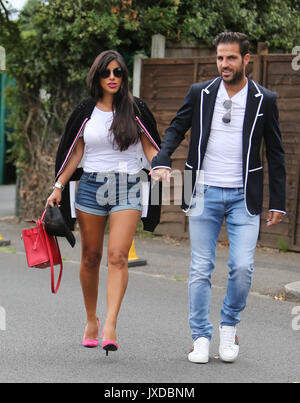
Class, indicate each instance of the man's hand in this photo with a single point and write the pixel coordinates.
(274, 218)
(160, 173)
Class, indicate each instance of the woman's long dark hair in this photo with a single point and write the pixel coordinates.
(124, 126)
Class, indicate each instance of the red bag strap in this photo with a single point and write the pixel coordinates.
(53, 288)
(43, 215)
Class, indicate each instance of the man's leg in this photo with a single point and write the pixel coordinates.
(204, 232)
(243, 231)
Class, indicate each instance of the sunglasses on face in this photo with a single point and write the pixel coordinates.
(228, 106)
(118, 72)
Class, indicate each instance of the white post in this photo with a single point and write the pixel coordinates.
(158, 50)
(2, 319)
(2, 59)
(137, 72)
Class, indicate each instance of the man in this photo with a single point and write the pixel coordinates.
(229, 117)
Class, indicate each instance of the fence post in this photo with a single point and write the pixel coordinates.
(257, 74)
(137, 74)
(158, 50)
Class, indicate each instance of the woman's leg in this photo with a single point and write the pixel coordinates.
(92, 230)
(122, 230)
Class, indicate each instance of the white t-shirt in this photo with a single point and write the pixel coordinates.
(223, 161)
(101, 155)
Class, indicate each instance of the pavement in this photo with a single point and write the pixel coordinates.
(42, 337)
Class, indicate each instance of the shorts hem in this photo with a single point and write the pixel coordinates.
(90, 210)
(103, 213)
(120, 208)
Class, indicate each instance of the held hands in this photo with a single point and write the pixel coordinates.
(54, 198)
(274, 218)
(161, 173)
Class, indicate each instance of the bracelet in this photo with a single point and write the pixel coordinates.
(58, 185)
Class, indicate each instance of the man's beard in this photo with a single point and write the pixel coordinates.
(236, 78)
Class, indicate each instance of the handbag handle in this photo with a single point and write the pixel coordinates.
(37, 221)
(43, 215)
(53, 288)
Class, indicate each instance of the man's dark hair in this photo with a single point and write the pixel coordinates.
(231, 37)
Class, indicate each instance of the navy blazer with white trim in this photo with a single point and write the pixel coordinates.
(260, 122)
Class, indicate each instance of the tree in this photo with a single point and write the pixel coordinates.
(276, 22)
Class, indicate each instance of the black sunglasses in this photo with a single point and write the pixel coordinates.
(118, 72)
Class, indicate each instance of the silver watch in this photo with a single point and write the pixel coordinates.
(58, 185)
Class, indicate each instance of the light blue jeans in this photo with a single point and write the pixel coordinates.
(243, 230)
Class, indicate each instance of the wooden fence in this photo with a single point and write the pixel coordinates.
(165, 83)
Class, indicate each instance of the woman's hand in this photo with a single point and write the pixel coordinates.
(161, 174)
(54, 198)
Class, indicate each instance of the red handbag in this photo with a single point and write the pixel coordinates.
(42, 250)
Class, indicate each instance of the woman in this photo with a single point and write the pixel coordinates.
(111, 130)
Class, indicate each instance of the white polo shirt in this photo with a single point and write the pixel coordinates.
(223, 161)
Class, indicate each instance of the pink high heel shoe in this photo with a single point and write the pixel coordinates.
(91, 343)
(109, 345)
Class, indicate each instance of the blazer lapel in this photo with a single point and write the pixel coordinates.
(208, 100)
(254, 99)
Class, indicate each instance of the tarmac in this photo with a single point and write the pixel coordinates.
(277, 274)
(153, 331)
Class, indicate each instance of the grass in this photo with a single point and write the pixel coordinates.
(283, 245)
(180, 279)
(145, 234)
(8, 249)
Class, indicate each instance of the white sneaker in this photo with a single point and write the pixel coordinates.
(229, 344)
(200, 352)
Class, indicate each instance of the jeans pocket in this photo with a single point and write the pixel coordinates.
(201, 189)
(204, 188)
(85, 177)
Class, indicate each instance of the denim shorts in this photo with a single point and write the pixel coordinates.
(104, 193)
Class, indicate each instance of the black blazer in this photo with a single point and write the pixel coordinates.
(260, 122)
(75, 126)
